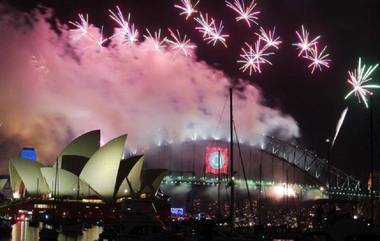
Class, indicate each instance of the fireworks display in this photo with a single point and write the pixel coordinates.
(101, 40)
(304, 44)
(270, 39)
(158, 41)
(308, 48)
(358, 79)
(82, 30)
(82, 27)
(254, 57)
(248, 14)
(187, 7)
(126, 29)
(205, 24)
(162, 51)
(212, 33)
(318, 59)
(180, 43)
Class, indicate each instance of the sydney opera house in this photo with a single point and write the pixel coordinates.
(84, 169)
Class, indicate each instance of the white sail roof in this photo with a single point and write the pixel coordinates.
(29, 172)
(67, 183)
(85, 145)
(101, 170)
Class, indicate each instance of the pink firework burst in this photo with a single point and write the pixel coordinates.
(180, 43)
(212, 33)
(206, 24)
(82, 26)
(254, 56)
(248, 14)
(156, 39)
(304, 44)
(127, 29)
(270, 39)
(318, 59)
(187, 7)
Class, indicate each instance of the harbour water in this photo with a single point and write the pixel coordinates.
(23, 232)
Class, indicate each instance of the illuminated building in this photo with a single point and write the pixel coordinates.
(84, 169)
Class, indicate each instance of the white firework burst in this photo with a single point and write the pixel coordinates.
(206, 24)
(127, 29)
(187, 7)
(156, 39)
(304, 44)
(318, 59)
(82, 27)
(254, 56)
(180, 43)
(248, 14)
(270, 39)
(212, 33)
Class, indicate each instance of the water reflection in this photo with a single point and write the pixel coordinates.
(22, 232)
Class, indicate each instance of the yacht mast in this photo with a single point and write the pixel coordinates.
(232, 201)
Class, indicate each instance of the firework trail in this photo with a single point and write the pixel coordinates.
(269, 38)
(212, 33)
(156, 39)
(304, 44)
(358, 79)
(253, 57)
(187, 8)
(339, 125)
(127, 29)
(177, 43)
(318, 59)
(248, 14)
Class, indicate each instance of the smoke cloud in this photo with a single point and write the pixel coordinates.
(54, 87)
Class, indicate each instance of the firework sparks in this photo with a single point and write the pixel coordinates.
(217, 35)
(156, 39)
(253, 57)
(177, 42)
(127, 29)
(339, 125)
(318, 59)
(206, 24)
(101, 40)
(359, 79)
(82, 27)
(304, 44)
(269, 38)
(248, 14)
(40, 64)
(187, 8)
(211, 32)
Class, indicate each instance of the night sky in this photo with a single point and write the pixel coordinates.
(350, 29)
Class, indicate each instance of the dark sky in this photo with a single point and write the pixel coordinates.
(350, 28)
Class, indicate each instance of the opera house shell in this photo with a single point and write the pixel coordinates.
(84, 169)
